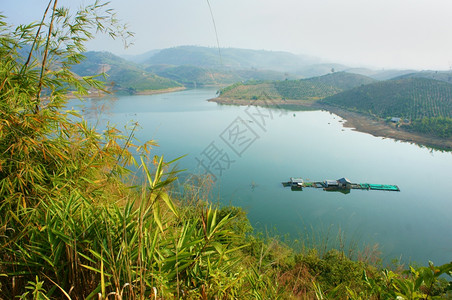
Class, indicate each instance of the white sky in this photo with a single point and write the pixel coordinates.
(381, 33)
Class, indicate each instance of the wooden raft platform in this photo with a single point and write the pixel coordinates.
(342, 185)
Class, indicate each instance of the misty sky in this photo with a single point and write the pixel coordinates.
(378, 33)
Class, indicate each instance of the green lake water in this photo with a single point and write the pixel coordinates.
(250, 151)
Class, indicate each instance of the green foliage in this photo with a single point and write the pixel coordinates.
(43, 151)
(426, 103)
(411, 99)
(420, 283)
(439, 126)
(121, 74)
(254, 90)
(436, 75)
(194, 76)
(303, 89)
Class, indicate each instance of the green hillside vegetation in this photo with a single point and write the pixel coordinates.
(121, 74)
(193, 76)
(425, 102)
(303, 89)
(251, 90)
(445, 76)
(75, 225)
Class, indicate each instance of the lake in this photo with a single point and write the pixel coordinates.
(249, 151)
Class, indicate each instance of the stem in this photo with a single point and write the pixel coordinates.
(44, 60)
(36, 37)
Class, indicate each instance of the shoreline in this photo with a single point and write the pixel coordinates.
(169, 90)
(275, 102)
(356, 121)
(101, 94)
(379, 128)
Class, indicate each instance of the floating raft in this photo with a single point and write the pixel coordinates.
(342, 185)
(379, 187)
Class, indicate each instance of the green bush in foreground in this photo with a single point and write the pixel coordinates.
(74, 227)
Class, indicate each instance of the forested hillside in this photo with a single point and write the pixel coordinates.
(425, 104)
(304, 89)
(437, 75)
(121, 74)
(412, 98)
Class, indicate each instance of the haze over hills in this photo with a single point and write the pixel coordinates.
(300, 66)
(192, 66)
(231, 58)
(130, 76)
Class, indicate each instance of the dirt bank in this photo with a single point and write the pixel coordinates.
(269, 102)
(152, 92)
(380, 128)
(354, 120)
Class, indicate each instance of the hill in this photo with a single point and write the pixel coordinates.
(445, 76)
(121, 74)
(304, 89)
(425, 104)
(251, 65)
(194, 76)
(380, 74)
(230, 58)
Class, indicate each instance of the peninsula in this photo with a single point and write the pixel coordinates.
(410, 109)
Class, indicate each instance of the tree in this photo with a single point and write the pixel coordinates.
(40, 144)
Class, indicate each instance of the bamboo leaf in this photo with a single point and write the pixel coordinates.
(157, 217)
(164, 196)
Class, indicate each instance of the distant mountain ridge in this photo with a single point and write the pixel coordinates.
(445, 76)
(301, 66)
(230, 58)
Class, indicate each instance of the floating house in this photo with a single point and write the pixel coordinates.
(344, 183)
(331, 183)
(296, 182)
